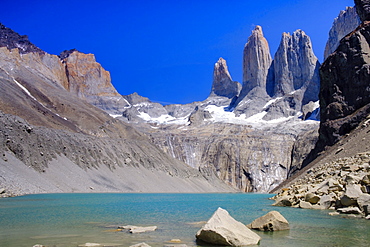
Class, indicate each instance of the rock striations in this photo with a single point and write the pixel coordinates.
(346, 22)
(256, 61)
(291, 79)
(88, 80)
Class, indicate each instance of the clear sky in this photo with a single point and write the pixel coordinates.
(166, 49)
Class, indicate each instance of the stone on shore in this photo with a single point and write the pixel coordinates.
(364, 203)
(222, 229)
(272, 221)
(141, 245)
(90, 245)
(349, 210)
(312, 198)
(284, 201)
(138, 229)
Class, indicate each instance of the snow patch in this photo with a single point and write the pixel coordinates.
(115, 115)
(164, 119)
(220, 115)
(271, 102)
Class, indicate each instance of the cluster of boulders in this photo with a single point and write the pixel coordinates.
(342, 185)
(220, 229)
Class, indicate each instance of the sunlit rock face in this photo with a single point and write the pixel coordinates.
(280, 87)
(90, 81)
(296, 67)
(346, 22)
(256, 63)
(223, 85)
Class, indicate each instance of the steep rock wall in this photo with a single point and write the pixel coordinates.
(247, 159)
(346, 22)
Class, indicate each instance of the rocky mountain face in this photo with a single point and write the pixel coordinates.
(280, 87)
(11, 40)
(346, 22)
(88, 80)
(48, 125)
(235, 133)
(338, 177)
(251, 136)
(344, 92)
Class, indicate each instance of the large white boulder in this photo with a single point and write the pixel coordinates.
(272, 221)
(222, 229)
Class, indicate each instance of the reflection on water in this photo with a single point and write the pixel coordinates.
(75, 219)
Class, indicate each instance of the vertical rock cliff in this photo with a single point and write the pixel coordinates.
(90, 81)
(345, 77)
(256, 63)
(296, 67)
(346, 22)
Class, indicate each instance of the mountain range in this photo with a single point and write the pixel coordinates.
(66, 128)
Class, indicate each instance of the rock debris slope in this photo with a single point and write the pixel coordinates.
(53, 141)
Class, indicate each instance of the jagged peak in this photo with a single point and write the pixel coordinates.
(64, 54)
(221, 70)
(222, 84)
(257, 34)
(11, 40)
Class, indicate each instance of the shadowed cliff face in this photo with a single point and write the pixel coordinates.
(344, 93)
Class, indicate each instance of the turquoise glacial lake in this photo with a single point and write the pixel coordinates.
(75, 219)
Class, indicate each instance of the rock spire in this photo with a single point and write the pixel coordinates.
(223, 85)
(256, 61)
(296, 67)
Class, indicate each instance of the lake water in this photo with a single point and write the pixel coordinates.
(74, 219)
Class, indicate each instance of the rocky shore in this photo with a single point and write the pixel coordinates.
(342, 185)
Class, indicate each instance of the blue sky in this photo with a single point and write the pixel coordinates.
(163, 49)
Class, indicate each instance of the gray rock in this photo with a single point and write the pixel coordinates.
(222, 84)
(141, 245)
(222, 229)
(305, 205)
(349, 210)
(363, 202)
(326, 201)
(272, 221)
(346, 22)
(283, 202)
(312, 198)
(256, 61)
(296, 67)
(256, 64)
(139, 229)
